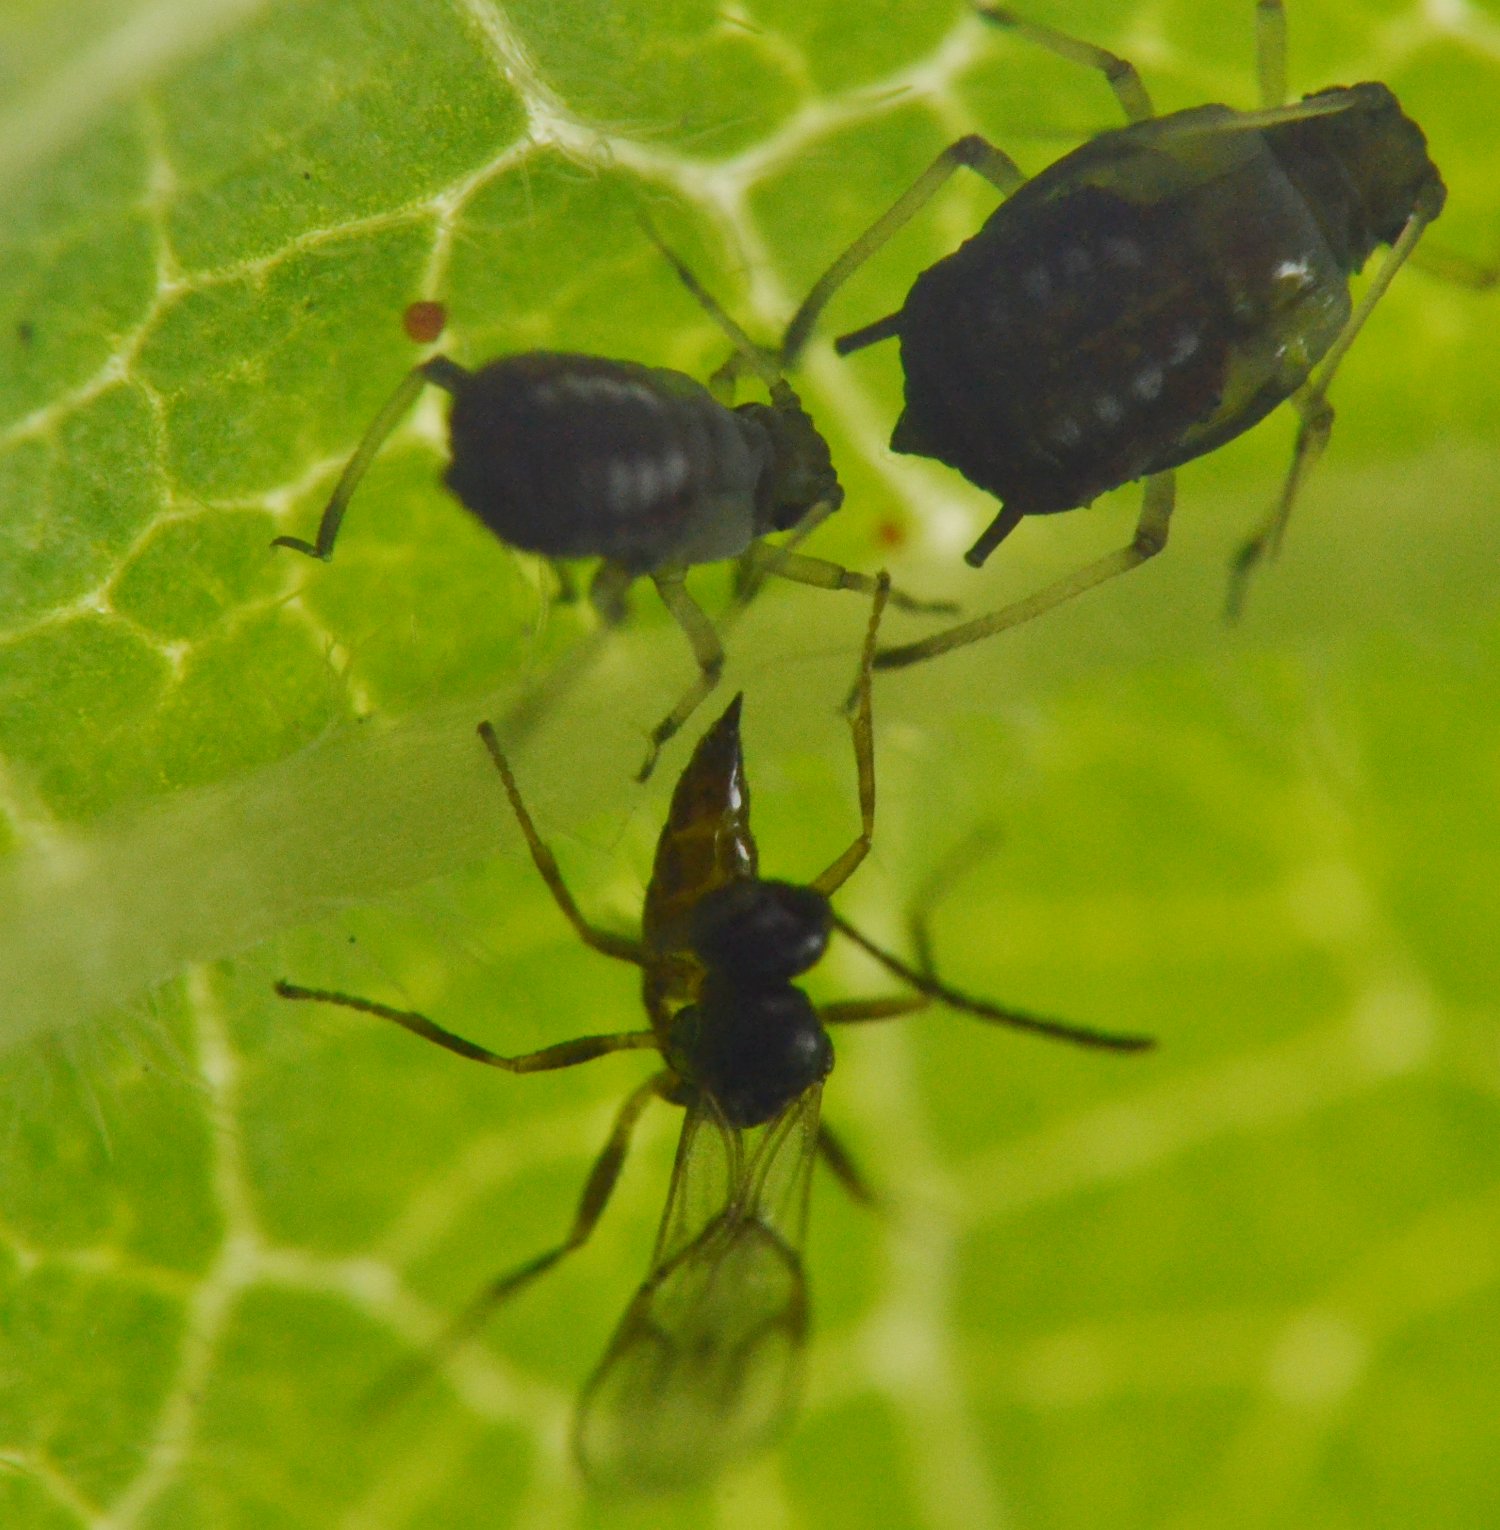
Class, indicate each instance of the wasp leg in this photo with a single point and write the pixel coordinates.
(707, 650)
(564, 1054)
(982, 1009)
(861, 727)
(1149, 539)
(436, 369)
(1270, 51)
(860, 1011)
(595, 1197)
(976, 153)
(929, 987)
(934, 889)
(842, 1166)
(1311, 402)
(1120, 74)
(606, 941)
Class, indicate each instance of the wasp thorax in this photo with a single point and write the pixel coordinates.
(760, 932)
(755, 1050)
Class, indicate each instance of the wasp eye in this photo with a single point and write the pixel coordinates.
(760, 932)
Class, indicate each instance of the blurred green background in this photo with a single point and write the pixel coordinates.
(1250, 1280)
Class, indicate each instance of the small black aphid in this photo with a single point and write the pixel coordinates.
(1143, 300)
(704, 1365)
(577, 456)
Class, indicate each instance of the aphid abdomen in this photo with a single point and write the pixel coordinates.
(706, 840)
(576, 456)
(1060, 350)
(1282, 293)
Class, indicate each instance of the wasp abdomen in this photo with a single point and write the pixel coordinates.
(577, 456)
(706, 840)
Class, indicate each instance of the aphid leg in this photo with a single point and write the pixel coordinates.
(563, 577)
(607, 596)
(751, 568)
(1149, 539)
(1311, 401)
(723, 381)
(1312, 437)
(707, 650)
(772, 560)
(1270, 51)
(596, 1193)
(606, 941)
(564, 1054)
(843, 1167)
(1461, 270)
(762, 560)
(607, 592)
(982, 1009)
(1120, 73)
(861, 726)
(436, 369)
(747, 354)
(973, 151)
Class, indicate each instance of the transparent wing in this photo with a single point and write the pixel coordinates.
(705, 1365)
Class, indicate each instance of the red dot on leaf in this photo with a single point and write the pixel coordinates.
(424, 322)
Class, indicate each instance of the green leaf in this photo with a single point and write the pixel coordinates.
(1250, 1280)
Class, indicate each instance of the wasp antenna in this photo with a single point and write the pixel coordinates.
(754, 356)
(1058, 1030)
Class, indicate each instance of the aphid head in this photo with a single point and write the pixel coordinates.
(753, 1049)
(800, 473)
(759, 933)
(1364, 170)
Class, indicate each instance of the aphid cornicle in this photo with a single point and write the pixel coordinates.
(577, 456)
(703, 1367)
(1143, 300)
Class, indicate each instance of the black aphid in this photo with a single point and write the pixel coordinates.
(577, 456)
(1143, 300)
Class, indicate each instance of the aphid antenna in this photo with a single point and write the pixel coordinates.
(981, 1009)
(1263, 117)
(749, 352)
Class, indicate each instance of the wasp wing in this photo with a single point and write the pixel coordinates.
(706, 1362)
